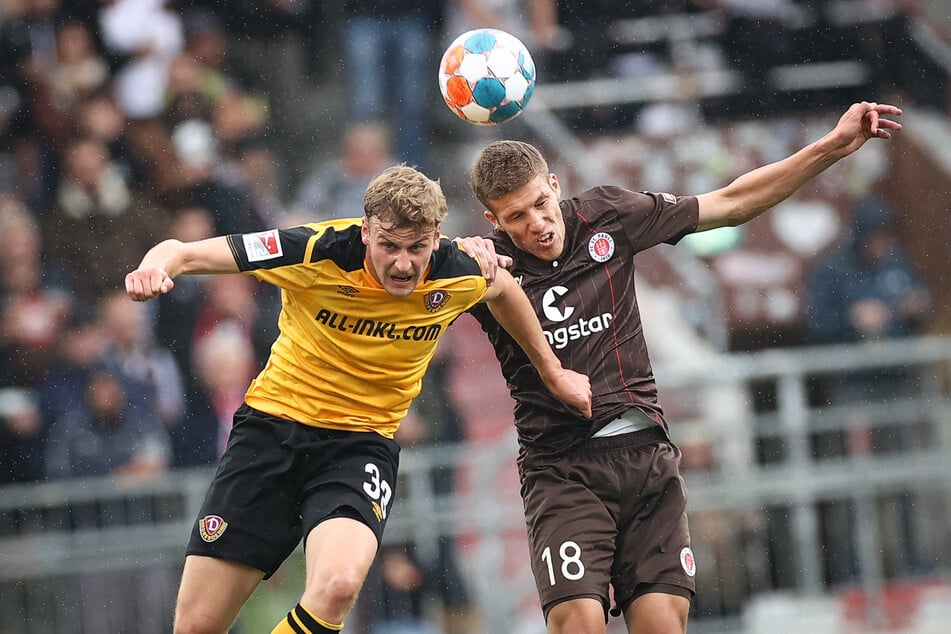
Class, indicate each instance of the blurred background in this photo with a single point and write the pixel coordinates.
(802, 359)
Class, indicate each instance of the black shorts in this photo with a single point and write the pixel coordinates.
(278, 479)
(611, 513)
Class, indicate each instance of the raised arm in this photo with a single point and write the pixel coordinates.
(171, 258)
(760, 189)
(511, 308)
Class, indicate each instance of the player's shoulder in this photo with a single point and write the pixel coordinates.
(340, 241)
(451, 261)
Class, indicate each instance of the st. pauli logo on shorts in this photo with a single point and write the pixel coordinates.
(687, 561)
(211, 527)
(601, 247)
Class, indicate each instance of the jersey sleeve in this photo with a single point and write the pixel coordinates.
(276, 255)
(650, 218)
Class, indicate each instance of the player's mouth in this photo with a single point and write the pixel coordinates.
(547, 239)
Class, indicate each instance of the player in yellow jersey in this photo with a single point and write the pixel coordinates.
(311, 454)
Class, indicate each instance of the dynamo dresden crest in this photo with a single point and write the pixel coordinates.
(211, 527)
(435, 300)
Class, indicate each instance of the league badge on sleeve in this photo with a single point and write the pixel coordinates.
(263, 245)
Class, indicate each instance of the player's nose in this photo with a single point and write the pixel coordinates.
(403, 263)
(537, 221)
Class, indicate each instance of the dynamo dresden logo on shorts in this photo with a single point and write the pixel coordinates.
(211, 527)
(687, 561)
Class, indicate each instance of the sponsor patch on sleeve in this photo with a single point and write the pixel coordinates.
(263, 245)
(670, 198)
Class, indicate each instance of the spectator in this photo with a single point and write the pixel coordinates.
(336, 188)
(394, 595)
(33, 310)
(867, 290)
(225, 363)
(98, 223)
(98, 116)
(150, 375)
(177, 313)
(387, 49)
(534, 22)
(146, 35)
(79, 70)
(21, 436)
(27, 57)
(231, 301)
(255, 167)
(274, 44)
(108, 437)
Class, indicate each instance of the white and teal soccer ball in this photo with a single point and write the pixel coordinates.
(486, 76)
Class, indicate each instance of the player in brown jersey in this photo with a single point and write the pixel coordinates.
(604, 498)
(311, 454)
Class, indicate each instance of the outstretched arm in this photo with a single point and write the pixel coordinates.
(760, 189)
(171, 258)
(510, 306)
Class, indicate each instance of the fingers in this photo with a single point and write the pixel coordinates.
(874, 112)
(146, 284)
(484, 251)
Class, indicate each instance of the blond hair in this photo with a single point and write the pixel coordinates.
(503, 167)
(402, 196)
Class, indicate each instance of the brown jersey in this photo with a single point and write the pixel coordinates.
(587, 306)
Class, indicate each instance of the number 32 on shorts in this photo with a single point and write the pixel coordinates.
(377, 489)
(568, 562)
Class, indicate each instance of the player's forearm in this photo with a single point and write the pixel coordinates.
(514, 312)
(765, 187)
(168, 255)
(196, 258)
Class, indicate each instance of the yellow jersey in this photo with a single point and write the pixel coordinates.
(349, 355)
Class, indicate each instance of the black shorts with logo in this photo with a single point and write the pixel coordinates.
(278, 479)
(611, 513)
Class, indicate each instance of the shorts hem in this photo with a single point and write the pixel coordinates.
(232, 559)
(642, 589)
(581, 595)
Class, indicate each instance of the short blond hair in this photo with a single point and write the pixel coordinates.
(402, 196)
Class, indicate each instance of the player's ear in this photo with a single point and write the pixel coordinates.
(554, 184)
(491, 218)
(365, 231)
(437, 237)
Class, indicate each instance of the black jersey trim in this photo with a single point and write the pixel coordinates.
(344, 248)
(450, 261)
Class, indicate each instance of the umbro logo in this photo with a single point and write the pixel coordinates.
(349, 291)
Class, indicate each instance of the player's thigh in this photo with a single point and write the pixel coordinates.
(572, 616)
(338, 548)
(658, 613)
(212, 593)
(571, 538)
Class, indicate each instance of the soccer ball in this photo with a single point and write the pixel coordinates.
(486, 76)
